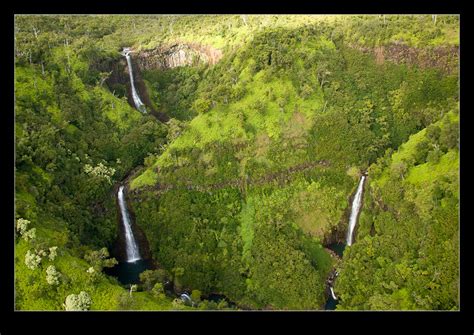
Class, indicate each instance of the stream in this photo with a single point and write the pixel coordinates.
(338, 248)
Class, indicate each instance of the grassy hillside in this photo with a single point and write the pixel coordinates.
(238, 191)
(289, 97)
(408, 240)
(74, 140)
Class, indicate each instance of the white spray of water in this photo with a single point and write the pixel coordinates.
(131, 245)
(136, 98)
(356, 204)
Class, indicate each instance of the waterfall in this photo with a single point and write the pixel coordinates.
(136, 98)
(130, 244)
(332, 293)
(186, 298)
(356, 204)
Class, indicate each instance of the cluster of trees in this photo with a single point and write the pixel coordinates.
(174, 90)
(407, 250)
(202, 243)
(303, 91)
(68, 150)
(74, 140)
(414, 30)
(291, 87)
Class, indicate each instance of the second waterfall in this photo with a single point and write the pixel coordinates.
(133, 254)
(356, 205)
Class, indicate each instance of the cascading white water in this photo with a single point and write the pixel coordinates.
(130, 244)
(332, 293)
(187, 299)
(184, 296)
(136, 98)
(356, 204)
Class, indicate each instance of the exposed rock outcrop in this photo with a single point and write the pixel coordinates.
(174, 55)
(162, 57)
(445, 58)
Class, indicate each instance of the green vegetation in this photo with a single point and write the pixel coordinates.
(411, 261)
(74, 140)
(239, 191)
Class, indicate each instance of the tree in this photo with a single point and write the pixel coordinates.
(178, 274)
(52, 275)
(150, 277)
(30, 234)
(133, 288)
(32, 260)
(433, 132)
(202, 105)
(99, 259)
(449, 137)
(22, 229)
(125, 301)
(196, 296)
(53, 253)
(80, 302)
(421, 151)
(22, 225)
(354, 172)
(434, 155)
(93, 275)
(399, 169)
(323, 73)
(158, 291)
(178, 303)
(244, 19)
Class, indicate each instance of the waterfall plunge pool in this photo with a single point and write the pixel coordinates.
(129, 272)
(338, 248)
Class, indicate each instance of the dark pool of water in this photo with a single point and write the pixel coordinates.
(338, 248)
(129, 273)
(330, 304)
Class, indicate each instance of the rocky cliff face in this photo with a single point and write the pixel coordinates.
(162, 57)
(181, 54)
(445, 58)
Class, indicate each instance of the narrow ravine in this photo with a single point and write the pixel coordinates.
(128, 271)
(338, 248)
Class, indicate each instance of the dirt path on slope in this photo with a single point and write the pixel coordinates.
(281, 176)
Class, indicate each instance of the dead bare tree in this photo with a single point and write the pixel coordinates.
(104, 76)
(244, 18)
(68, 65)
(35, 31)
